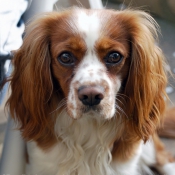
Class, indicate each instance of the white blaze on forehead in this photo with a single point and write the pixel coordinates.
(89, 25)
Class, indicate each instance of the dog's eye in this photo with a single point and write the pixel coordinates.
(113, 58)
(66, 58)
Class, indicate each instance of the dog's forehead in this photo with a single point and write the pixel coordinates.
(89, 23)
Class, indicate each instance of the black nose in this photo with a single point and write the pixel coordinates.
(90, 95)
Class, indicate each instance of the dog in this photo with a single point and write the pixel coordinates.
(88, 93)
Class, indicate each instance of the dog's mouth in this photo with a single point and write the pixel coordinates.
(91, 109)
(103, 111)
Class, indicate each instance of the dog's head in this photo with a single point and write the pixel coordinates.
(98, 63)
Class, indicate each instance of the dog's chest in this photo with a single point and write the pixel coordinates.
(83, 148)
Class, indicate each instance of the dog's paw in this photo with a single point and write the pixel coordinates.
(167, 169)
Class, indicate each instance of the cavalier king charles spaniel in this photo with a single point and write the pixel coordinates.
(88, 92)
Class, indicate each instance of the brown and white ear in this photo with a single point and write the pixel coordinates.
(31, 82)
(147, 79)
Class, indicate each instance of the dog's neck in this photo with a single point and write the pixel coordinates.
(83, 146)
(87, 143)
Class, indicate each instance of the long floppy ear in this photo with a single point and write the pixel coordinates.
(147, 79)
(31, 83)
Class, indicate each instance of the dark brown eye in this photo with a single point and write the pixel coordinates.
(66, 58)
(113, 58)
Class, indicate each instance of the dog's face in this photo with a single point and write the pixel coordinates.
(90, 62)
(99, 63)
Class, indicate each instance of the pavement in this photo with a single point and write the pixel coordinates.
(3, 122)
(167, 43)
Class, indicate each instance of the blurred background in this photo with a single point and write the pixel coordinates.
(164, 13)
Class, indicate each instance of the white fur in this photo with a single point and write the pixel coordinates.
(129, 167)
(83, 148)
(84, 78)
(89, 25)
(167, 169)
(148, 159)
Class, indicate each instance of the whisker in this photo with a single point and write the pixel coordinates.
(122, 95)
(61, 104)
(105, 6)
(80, 4)
(121, 110)
(120, 101)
